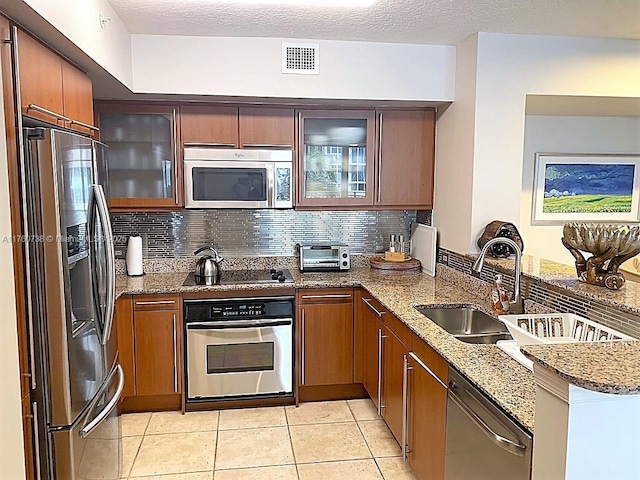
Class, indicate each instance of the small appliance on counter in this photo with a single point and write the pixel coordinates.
(324, 258)
(208, 267)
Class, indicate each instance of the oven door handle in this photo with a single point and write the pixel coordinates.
(237, 324)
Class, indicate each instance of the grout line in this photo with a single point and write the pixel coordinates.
(135, 457)
(215, 453)
(365, 441)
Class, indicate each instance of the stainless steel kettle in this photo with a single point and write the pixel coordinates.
(208, 267)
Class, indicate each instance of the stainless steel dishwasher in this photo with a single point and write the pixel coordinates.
(483, 443)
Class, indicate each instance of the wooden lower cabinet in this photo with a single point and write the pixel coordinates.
(150, 351)
(369, 323)
(393, 353)
(155, 334)
(325, 337)
(124, 329)
(426, 413)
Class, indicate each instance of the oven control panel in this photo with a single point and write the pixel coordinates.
(238, 310)
(231, 309)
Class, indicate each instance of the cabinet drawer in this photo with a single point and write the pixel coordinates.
(325, 295)
(430, 357)
(395, 325)
(156, 302)
(400, 329)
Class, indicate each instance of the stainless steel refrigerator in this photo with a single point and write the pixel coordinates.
(70, 283)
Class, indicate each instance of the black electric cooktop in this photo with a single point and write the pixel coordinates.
(240, 277)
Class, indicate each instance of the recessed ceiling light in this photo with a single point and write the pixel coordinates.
(312, 3)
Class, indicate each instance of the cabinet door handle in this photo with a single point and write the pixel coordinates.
(84, 125)
(38, 108)
(367, 301)
(302, 350)
(379, 157)
(266, 145)
(175, 355)
(209, 144)
(333, 295)
(302, 151)
(405, 407)
(428, 370)
(155, 302)
(381, 338)
(175, 156)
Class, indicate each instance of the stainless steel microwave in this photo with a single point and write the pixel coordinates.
(232, 178)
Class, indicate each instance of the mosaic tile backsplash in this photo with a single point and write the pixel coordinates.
(259, 232)
(552, 297)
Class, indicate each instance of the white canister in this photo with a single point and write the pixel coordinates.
(134, 256)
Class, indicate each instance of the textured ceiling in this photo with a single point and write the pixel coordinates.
(405, 21)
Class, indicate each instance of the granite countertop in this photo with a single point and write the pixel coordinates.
(564, 276)
(504, 380)
(607, 367)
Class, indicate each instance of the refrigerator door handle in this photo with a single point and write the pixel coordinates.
(100, 309)
(103, 212)
(90, 426)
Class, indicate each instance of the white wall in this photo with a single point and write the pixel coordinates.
(567, 134)
(11, 443)
(455, 128)
(508, 68)
(251, 67)
(109, 47)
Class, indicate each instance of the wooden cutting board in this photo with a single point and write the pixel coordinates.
(410, 265)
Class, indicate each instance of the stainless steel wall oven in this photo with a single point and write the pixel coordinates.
(239, 348)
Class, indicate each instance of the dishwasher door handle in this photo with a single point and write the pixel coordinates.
(504, 443)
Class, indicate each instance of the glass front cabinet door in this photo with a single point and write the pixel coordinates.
(335, 158)
(142, 160)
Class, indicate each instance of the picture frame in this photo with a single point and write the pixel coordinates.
(592, 188)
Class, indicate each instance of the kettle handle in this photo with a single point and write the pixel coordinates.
(217, 258)
(202, 249)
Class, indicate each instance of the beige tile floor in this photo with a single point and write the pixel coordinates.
(316, 441)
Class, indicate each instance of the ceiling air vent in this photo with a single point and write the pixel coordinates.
(301, 58)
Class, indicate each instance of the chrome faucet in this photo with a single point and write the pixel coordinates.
(515, 305)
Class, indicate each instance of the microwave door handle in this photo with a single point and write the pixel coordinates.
(271, 178)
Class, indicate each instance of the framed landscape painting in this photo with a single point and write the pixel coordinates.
(585, 188)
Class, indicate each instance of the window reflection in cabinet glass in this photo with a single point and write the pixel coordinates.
(335, 158)
(140, 154)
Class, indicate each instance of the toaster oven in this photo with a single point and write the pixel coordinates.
(324, 258)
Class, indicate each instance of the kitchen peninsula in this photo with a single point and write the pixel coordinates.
(505, 382)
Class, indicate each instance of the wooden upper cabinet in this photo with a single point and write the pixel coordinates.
(335, 152)
(266, 127)
(143, 159)
(405, 158)
(77, 94)
(214, 126)
(40, 73)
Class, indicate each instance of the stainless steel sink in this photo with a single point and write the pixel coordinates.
(467, 324)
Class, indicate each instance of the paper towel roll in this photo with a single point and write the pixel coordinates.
(134, 256)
